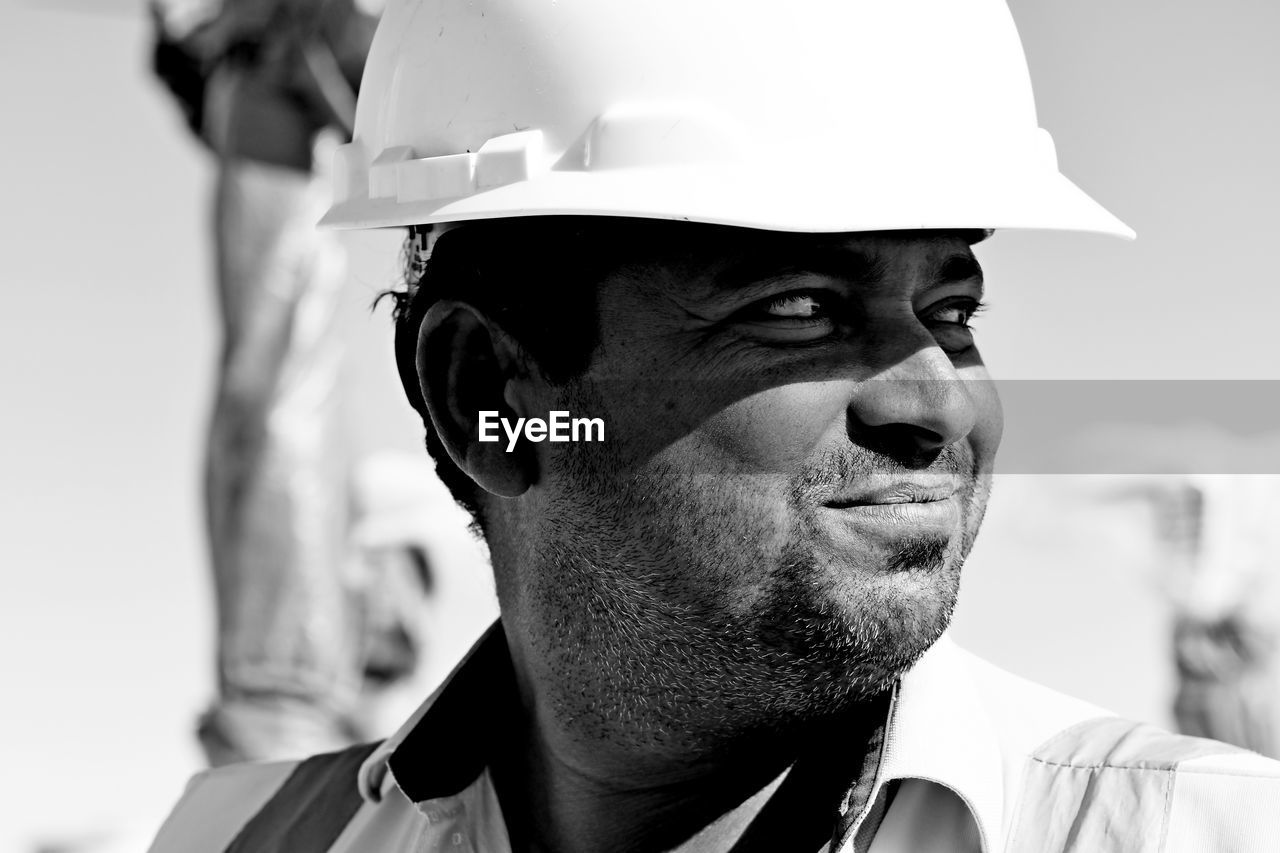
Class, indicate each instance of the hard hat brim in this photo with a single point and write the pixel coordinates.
(794, 200)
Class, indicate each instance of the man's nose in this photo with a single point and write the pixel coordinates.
(912, 408)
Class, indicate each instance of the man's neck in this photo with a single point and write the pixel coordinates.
(557, 803)
(559, 796)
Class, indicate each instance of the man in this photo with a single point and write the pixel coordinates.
(740, 237)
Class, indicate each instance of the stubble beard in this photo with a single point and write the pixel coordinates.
(644, 649)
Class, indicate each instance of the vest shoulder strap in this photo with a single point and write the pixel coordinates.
(310, 809)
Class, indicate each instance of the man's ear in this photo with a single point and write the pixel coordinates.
(467, 365)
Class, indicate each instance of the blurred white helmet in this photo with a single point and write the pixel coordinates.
(810, 115)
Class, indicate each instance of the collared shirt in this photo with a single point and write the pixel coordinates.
(975, 760)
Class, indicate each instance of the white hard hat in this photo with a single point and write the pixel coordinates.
(810, 115)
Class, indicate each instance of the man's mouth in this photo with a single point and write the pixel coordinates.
(902, 492)
(904, 507)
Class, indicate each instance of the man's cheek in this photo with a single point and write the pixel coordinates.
(649, 416)
(779, 429)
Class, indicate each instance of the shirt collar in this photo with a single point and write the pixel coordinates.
(475, 701)
(938, 731)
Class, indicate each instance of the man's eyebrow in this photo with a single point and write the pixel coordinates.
(835, 262)
(958, 268)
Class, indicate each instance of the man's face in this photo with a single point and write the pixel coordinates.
(797, 442)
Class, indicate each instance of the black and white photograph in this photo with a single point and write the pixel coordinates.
(594, 426)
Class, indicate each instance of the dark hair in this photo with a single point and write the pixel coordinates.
(535, 277)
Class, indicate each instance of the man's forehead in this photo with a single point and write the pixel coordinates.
(862, 258)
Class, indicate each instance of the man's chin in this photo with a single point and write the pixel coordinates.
(855, 631)
(851, 655)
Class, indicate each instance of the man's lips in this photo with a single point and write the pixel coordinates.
(900, 508)
(895, 493)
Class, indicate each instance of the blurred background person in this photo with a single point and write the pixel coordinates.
(268, 86)
(1215, 530)
(1222, 534)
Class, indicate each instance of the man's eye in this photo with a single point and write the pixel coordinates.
(955, 315)
(951, 327)
(797, 316)
(795, 306)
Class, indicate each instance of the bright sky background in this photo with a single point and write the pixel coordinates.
(1165, 110)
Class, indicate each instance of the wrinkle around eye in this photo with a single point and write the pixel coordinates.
(782, 330)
